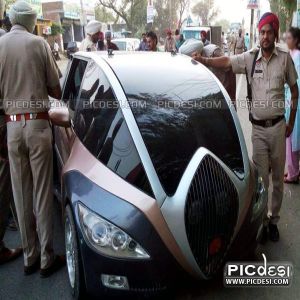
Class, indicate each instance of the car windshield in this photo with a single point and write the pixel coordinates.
(178, 110)
(189, 34)
(121, 45)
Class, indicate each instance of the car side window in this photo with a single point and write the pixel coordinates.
(100, 125)
(72, 87)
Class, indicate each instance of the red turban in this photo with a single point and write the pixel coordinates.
(204, 33)
(269, 18)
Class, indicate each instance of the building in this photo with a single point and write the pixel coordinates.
(67, 13)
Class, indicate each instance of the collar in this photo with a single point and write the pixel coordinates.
(18, 27)
(275, 52)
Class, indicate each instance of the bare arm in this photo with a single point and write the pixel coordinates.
(294, 105)
(55, 92)
(216, 62)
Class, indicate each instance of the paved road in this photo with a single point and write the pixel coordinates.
(13, 285)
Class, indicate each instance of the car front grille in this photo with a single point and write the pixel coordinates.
(211, 213)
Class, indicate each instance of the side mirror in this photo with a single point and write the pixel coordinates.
(59, 114)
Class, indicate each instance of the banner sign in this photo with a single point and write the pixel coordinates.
(253, 4)
(150, 14)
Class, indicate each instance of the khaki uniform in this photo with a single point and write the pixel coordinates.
(27, 69)
(239, 45)
(170, 44)
(269, 103)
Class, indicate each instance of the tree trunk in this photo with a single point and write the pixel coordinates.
(2, 9)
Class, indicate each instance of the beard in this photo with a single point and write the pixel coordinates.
(269, 47)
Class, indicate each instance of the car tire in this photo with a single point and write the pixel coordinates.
(73, 258)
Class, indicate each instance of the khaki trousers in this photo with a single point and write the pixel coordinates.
(269, 150)
(6, 198)
(31, 157)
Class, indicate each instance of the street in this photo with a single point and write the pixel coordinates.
(14, 285)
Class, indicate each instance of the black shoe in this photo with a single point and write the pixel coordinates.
(7, 255)
(273, 233)
(264, 235)
(28, 270)
(58, 263)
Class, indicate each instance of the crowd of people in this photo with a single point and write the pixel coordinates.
(29, 78)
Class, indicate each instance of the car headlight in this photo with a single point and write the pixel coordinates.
(107, 238)
(259, 198)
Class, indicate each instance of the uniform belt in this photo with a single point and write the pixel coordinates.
(27, 116)
(267, 123)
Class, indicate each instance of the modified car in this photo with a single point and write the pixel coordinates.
(156, 182)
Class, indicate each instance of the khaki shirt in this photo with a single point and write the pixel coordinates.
(27, 69)
(170, 45)
(268, 80)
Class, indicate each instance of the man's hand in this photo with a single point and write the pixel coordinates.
(197, 56)
(289, 130)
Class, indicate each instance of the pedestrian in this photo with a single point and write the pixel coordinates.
(272, 67)
(92, 30)
(247, 41)
(143, 43)
(239, 46)
(56, 50)
(204, 39)
(170, 44)
(109, 44)
(24, 89)
(180, 42)
(232, 42)
(293, 142)
(152, 41)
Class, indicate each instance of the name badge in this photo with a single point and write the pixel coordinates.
(258, 71)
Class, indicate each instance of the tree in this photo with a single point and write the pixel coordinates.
(284, 9)
(183, 4)
(225, 24)
(103, 15)
(56, 29)
(132, 12)
(206, 11)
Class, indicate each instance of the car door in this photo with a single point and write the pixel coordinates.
(64, 137)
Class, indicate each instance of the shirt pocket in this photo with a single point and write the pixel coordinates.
(277, 82)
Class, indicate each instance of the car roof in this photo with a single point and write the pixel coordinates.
(196, 28)
(125, 39)
(132, 59)
(150, 65)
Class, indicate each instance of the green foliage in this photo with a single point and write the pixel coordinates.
(132, 12)
(206, 11)
(103, 15)
(56, 29)
(284, 9)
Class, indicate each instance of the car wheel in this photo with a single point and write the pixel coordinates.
(73, 258)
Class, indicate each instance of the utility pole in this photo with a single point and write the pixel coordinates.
(83, 17)
(251, 29)
(171, 13)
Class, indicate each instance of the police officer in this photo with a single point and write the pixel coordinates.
(6, 196)
(28, 74)
(272, 68)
